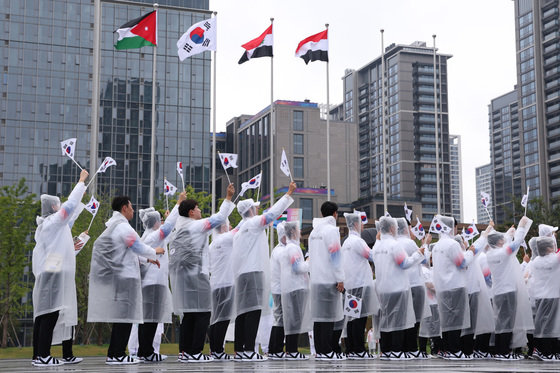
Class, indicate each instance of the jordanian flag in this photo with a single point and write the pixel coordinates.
(259, 47)
(138, 33)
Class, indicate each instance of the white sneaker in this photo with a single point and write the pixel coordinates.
(197, 358)
(153, 358)
(121, 360)
(253, 356)
(220, 356)
(542, 357)
(385, 355)
(457, 356)
(72, 360)
(48, 361)
(358, 355)
(478, 355)
(276, 355)
(295, 356)
(400, 356)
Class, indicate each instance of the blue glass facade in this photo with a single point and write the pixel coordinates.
(46, 96)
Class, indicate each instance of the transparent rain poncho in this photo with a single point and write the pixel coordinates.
(54, 262)
(275, 276)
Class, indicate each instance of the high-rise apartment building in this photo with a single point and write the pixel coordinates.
(483, 176)
(456, 177)
(46, 64)
(410, 131)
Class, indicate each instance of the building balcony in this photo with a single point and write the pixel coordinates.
(551, 61)
(550, 25)
(554, 145)
(547, 51)
(552, 72)
(550, 14)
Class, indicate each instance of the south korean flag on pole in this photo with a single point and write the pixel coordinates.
(228, 160)
(285, 166)
(485, 199)
(168, 188)
(93, 206)
(363, 216)
(108, 162)
(418, 230)
(254, 183)
(68, 147)
(352, 305)
(438, 226)
(199, 37)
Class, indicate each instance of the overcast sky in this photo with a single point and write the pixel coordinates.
(480, 34)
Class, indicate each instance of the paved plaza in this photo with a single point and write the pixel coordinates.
(97, 364)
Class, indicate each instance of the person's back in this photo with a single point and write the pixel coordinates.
(324, 252)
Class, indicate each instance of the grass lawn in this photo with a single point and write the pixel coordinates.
(96, 350)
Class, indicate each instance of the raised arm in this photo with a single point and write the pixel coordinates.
(278, 208)
(67, 209)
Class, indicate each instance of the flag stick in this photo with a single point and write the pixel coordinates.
(383, 137)
(436, 130)
(93, 177)
(153, 144)
(214, 134)
(166, 202)
(527, 203)
(89, 226)
(271, 135)
(489, 217)
(80, 167)
(328, 136)
(183, 183)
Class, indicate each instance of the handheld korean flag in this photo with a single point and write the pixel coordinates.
(387, 215)
(228, 160)
(418, 230)
(199, 38)
(285, 166)
(408, 213)
(107, 162)
(363, 216)
(485, 200)
(92, 207)
(471, 231)
(438, 226)
(68, 149)
(168, 190)
(254, 183)
(352, 305)
(180, 172)
(525, 200)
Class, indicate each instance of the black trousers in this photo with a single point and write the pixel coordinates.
(276, 341)
(67, 346)
(193, 331)
(217, 335)
(323, 335)
(146, 334)
(502, 343)
(467, 344)
(43, 328)
(422, 344)
(355, 335)
(119, 339)
(246, 328)
(482, 342)
(392, 341)
(530, 344)
(437, 345)
(335, 339)
(452, 341)
(411, 338)
(292, 343)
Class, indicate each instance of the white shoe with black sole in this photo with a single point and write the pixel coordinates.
(48, 361)
(121, 360)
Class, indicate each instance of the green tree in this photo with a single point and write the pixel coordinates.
(18, 209)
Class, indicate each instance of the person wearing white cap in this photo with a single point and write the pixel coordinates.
(276, 343)
(450, 280)
(54, 268)
(358, 276)
(512, 310)
(294, 287)
(190, 274)
(156, 297)
(251, 270)
(547, 230)
(545, 271)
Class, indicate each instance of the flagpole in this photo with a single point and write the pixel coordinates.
(527, 202)
(153, 151)
(92, 178)
(214, 135)
(383, 123)
(328, 135)
(77, 164)
(272, 123)
(95, 86)
(90, 223)
(436, 132)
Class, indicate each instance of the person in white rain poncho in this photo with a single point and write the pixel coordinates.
(294, 286)
(358, 281)
(529, 282)
(276, 343)
(429, 326)
(393, 289)
(54, 268)
(450, 280)
(326, 280)
(480, 306)
(156, 297)
(189, 273)
(417, 288)
(251, 270)
(545, 272)
(221, 283)
(512, 309)
(115, 289)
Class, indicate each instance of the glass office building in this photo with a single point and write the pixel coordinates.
(46, 96)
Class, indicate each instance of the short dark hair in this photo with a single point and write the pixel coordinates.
(328, 208)
(186, 206)
(119, 202)
(455, 221)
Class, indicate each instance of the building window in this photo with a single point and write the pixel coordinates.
(298, 168)
(298, 120)
(307, 208)
(298, 144)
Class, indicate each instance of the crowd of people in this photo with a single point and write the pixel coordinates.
(465, 301)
